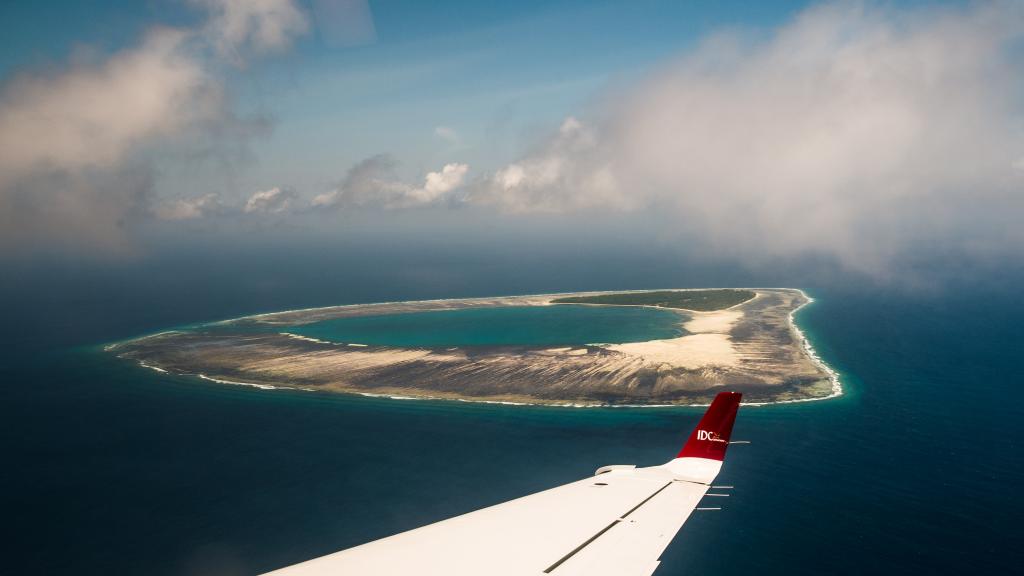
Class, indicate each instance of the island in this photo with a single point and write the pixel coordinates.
(736, 339)
(694, 300)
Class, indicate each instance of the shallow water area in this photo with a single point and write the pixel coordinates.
(558, 325)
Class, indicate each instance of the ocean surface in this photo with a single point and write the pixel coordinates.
(110, 468)
(561, 325)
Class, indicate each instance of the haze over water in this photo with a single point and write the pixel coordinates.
(117, 469)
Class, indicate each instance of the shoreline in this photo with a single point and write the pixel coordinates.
(837, 385)
(545, 295)
(804, 343)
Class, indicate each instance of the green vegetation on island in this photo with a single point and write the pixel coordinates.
(697, 300)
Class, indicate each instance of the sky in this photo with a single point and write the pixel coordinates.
(867, 135)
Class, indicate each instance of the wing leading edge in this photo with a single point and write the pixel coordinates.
(616, 522)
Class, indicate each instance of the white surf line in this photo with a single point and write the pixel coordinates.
(115, 345)
(512, 403)
(318, 341)
(395, 397)
(837, 386)
(151, 367)
(307, 338)
(472, 401)
(222, 381)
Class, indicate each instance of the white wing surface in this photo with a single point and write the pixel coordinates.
(617, 522)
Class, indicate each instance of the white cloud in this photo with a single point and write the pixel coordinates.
(368, 183)
(373, 184)
(855, 131)
(92, 116)
(438, 184)
(67, 139)
(189, 208)
(238, 27)
(324, 199)
(570, 160)
(73, 141)
(272, 201)
(448, 134)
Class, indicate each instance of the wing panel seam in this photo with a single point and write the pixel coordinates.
(579, 548)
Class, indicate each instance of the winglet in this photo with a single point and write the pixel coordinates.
(711, 437)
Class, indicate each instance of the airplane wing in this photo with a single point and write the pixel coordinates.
(617, 522)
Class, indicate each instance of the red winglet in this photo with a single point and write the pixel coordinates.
(711, 437)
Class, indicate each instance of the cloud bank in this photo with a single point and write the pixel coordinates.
(854, 131)
(251, 27)
(71, 171)
(189, 208)
(272, 201)
(372, 183)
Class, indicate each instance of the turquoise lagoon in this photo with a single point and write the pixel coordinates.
(558, 325)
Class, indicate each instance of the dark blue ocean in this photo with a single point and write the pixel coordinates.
(113, 469)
